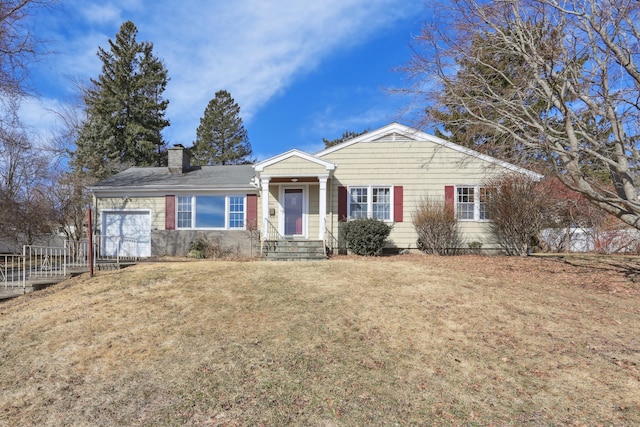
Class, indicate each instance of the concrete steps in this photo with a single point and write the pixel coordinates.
(293, 250)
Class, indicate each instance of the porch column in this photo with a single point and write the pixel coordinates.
(264, 185)
(322, 209)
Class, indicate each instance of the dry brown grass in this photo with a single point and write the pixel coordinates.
(408, 340)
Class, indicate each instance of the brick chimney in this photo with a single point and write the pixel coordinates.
(179, 159)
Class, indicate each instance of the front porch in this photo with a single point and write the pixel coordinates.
(294, 197)
(293, 227)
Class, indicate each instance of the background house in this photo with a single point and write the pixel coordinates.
(384, 174)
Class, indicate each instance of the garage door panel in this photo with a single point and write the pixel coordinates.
(127, 233)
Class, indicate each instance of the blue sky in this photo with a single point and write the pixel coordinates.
(300, 70)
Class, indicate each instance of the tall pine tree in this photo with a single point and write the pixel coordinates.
(125, 112)
(221, 137)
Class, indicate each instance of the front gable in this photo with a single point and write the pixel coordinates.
(294, 162)
(392, 132)
(395, 140)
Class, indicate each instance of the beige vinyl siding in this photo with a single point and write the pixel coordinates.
(313, 192)
(274, 205)
(155, 204)
(294, 166)
(422, 168)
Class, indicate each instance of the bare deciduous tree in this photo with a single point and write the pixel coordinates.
(517, 207)
(578, 65)
(18, 46)
(24, 170)
(437, 227)
(569, 213)
(70, 202)
(67, 189)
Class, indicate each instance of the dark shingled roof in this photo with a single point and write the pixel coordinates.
(209, 177)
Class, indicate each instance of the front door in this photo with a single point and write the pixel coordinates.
(293, 211)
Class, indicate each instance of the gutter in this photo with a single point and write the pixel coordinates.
(151, 191)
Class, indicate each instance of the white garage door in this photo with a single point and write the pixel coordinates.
(126, 233)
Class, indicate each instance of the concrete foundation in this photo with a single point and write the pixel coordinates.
(179, 242)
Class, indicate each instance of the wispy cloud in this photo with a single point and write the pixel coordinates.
(254, 49)
(39, 114)
(101, 14)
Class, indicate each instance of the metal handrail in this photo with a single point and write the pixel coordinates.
(47, 262)
(330, 241)
(115, 247)
(269, 235)
(44, 261)
(77, 253)
(12, 271)
(272, 232)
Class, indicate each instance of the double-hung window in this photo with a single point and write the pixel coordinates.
(222, 212)
(236, 211)
(184, 212)
(466, 202)
(471, 202)
(370, 202)
(484, 194)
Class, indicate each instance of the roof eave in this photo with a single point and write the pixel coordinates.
(162, 190)
(260, 166)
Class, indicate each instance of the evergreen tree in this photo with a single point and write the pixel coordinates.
(347, 135)
(460, 121)
(221, 137)
(125, 112)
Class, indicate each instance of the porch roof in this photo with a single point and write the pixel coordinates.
(296, 158)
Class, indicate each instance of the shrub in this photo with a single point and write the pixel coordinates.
(475, 247)
(516, 209)
(437, 228)
(366, 236)
(203, 247)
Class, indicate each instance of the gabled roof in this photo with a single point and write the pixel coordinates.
(259, 167)
(159, 179)
(396, 129)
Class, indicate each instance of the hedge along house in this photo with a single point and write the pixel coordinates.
(297, 196)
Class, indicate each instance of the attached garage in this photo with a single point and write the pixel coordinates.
(126, 233)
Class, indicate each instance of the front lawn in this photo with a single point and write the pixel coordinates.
(405, 340)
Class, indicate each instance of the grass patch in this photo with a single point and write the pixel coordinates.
(408, 340)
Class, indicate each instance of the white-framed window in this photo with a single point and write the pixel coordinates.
(205, 211)
(471, 202)
(184, 211)
(371, 201)
(484, 194)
